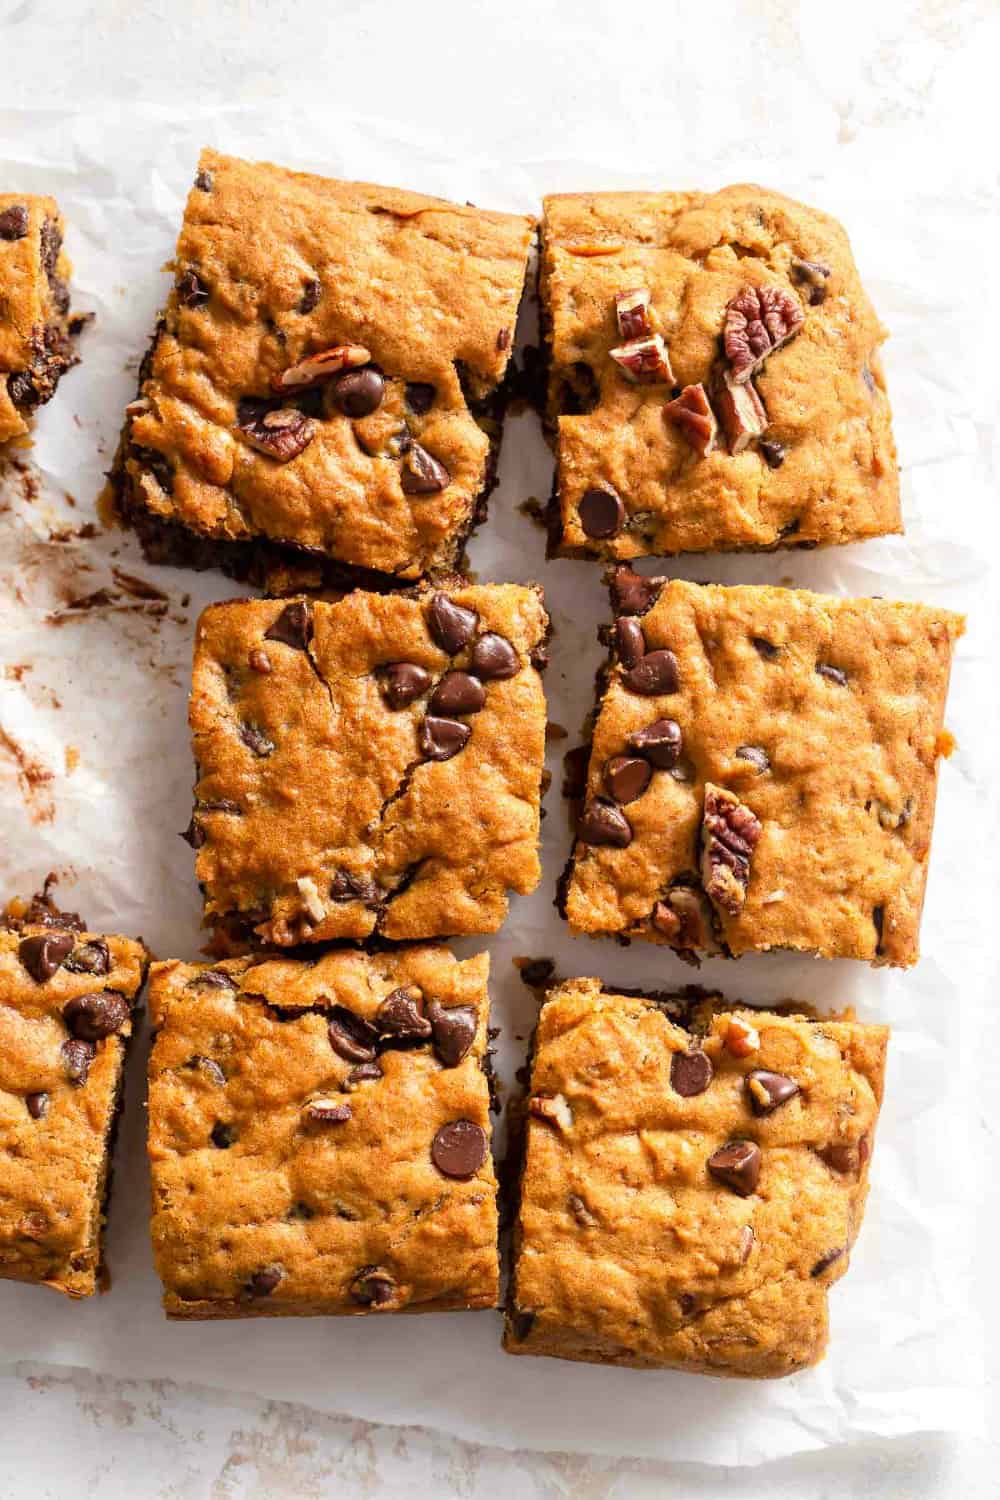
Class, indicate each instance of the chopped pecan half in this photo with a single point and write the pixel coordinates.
(644, 361)
(684, 919)
(814, 274)
(281, 434)
(632, 312)
(759, 319)
(552, 1107)
(729, 835)
(740, 408)
(322, 366)
(694, 416)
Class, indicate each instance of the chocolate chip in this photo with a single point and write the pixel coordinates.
(451, 625)
(422, 473)
(359, 392)
(630, 642)
(841, 1156)
(878, 922)
(351, 1037)
(604, 823)
(37, 1105)
(459, 1149)
(209, 1066)
(825, 1262)
(832, 674)
(89, 958)
(602, 514)
(14, 222)
(21, 390)
(327, 1112)
(256, 740)
(224, 1135)
(767, 649)
(737, 1165)
(538, 971)
(348, 887)
(401, 1014)
(440, 739)
(420, 397)
(191, 290)
(42, 955)
(364, 1073)
(203, 181)
(194, 834)
(77, 1057)
(454, 1030)
(494, 658)
(773, 452)
(213, 979)
(755, 755)
(766, 1091)
(373, 1287)
(654, 673)
(293, 627)
(503, 339)
(262, 1283)
(91, 1017)
(521, 1324)
(311, 291)
(458, 693)
(631, 593)
(690, 1073)
(627, 777)
(660, 743)
(403, 682)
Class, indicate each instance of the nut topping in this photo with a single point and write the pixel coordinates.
(322, 366)
(632, 312)
(813, 274)
(281, 434)
(729, 834)
(644, 361)
(552, 1107)
(742, 1039)
(326, 1111)
(683, 918)
(692, 413)
(758, 321)
(741, 410)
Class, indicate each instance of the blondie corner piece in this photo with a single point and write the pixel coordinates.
(324, 378)
(319, 1135)
(66, 1006)
(694, 1178)
(714, 376)
(36, 326)
(371, 766)
(763, 771)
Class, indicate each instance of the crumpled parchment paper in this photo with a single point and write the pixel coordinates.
(95, 777)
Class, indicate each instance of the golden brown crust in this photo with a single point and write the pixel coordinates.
(629, 1251)
(35, 346)
(321, 1205)
(844, 698)
(824, 391)
(344, 801)
(287, 266)
(54, 1167)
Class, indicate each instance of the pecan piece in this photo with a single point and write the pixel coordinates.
(741, 410)
(632, 312)
(813, 274)
(644, 361)
(694, 416)
(729, 833)
(322, 366)
(552, 1107)
(281, 434)
(759, 319)
(683, 918)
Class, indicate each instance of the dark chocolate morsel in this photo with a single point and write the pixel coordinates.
(494, 658)
(311, 292)
(459, 1149)
(191, 290)
(359, 392)
(223, 1135)
(826, 1261)
(420, 397)
(737, 1165)
(43, 954)
(347, 887)
(14, 222)
(772, 452)
(454, 1030)
(373, 1287)
(767, 1090)
(403, 682)
(440, 739)
(653, 674)
(77, 1057)
(604, 823)
(602, 514)
(767, 649)
(37, 1105)
(659, 742)
(457, 693)
(203, 181)
(422, 473)
(92, 1017)
(630, 642)
(632, 593)
(351, 1036)
(690, 1073)
(262, 1283)
(627, 777)
(293, 626)
(401, 1014)
(521, 1324)
(451, 625)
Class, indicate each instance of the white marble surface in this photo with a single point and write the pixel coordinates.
(859, 86)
